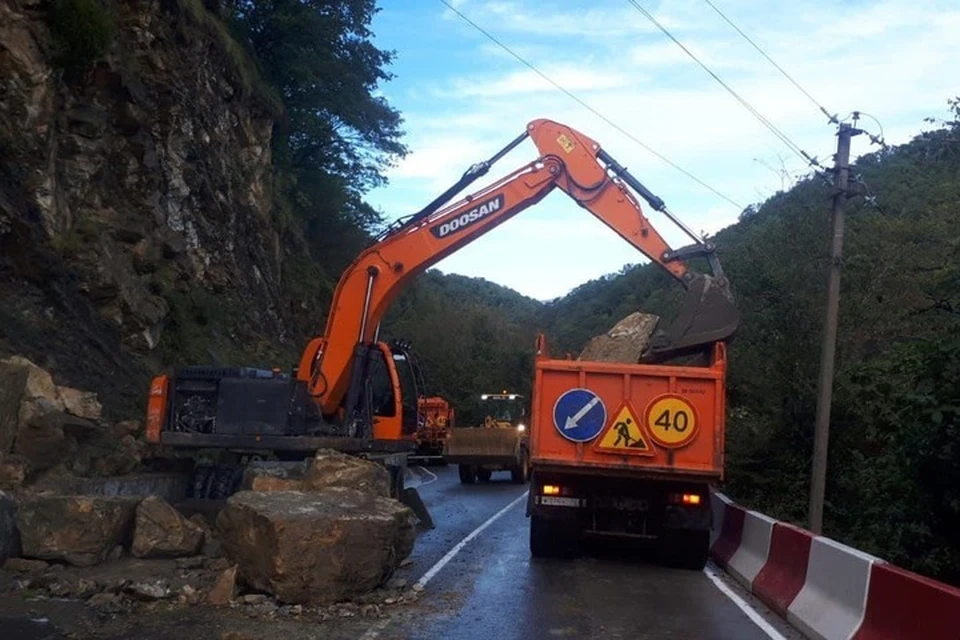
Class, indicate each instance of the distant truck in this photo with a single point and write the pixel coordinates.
(438, 417)
(625, 450)
(500, 443)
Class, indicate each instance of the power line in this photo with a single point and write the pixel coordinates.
(831, 118)
(746, 105)
(587, 106)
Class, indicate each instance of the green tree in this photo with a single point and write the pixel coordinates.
(337, 136)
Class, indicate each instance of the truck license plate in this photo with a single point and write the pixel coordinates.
(554, 501)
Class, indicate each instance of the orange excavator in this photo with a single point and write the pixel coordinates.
(355, 393)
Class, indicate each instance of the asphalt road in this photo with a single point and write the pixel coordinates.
(493, 588)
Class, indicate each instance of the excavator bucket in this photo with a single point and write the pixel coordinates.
(707, 315)
(481, 445)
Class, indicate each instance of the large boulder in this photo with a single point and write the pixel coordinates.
(51, 438)
(81, 530)
(14, 470)
(315, 546)
(39, 395)
(335, 469)
(328, 468)
(83, 404)
(274, 476)
(160, 531)
(624, 343)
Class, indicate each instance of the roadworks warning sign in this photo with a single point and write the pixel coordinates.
(624, 435)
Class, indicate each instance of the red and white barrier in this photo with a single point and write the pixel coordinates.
(785, 572)
(751, 555)
(834, 594)
(826, 589)
(901, 604)
(727, 541)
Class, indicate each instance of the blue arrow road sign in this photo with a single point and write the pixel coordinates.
(579, 415)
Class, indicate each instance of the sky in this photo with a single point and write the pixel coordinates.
(462, 98)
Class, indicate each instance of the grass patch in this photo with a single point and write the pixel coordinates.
(82, 31)
(244, 64)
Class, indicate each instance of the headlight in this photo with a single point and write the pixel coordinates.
(521, 427)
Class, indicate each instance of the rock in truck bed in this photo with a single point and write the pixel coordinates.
(625, 342)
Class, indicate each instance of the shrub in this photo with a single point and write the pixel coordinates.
(81, 31)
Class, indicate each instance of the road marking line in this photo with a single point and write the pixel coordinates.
(432, 475)
(757, 619)
(432, 571)
(374, 631)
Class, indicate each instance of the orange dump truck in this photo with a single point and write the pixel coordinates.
(626, 450)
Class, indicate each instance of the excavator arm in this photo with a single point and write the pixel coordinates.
(569, 161)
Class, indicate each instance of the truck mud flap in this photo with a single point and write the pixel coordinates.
(411, 498)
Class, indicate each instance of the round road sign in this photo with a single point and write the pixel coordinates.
(671, 420)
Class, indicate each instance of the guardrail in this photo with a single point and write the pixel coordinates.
(826, 589)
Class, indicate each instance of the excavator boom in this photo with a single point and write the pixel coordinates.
(568, 160)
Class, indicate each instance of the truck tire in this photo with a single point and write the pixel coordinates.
(468, 474)
(553, 538)
(541, 544)
(683, 549)
(483, 475)
(521, 474)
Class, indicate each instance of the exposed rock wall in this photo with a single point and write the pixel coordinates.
(130, 197)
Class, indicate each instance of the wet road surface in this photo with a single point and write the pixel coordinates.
(493, 588)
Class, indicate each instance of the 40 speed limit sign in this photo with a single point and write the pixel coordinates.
(671, 420)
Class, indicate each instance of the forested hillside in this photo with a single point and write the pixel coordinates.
(894, 472)
(472, 336)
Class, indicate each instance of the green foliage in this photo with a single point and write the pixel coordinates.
(337, 137)
(470, 335)
(190, 329)
(81, 30)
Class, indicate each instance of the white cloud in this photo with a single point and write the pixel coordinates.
(894, 59)
(527, 81)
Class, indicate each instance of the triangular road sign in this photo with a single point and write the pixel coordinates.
(624, 435)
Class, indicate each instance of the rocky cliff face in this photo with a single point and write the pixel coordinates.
(135, 199)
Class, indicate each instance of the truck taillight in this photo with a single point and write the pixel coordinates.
(156, 408)
(689, 499)
(551, 490)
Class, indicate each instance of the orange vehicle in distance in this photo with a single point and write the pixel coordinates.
(438, 417)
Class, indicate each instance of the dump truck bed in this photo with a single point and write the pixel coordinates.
(655, 421)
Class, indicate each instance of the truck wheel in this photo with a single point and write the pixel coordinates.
(521, 474)
(468, 474)
(553, 538)
(483, 475)
(683, 549)
(541, 544)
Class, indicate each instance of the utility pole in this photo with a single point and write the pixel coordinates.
(818, 476)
